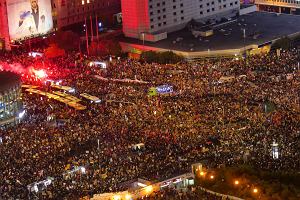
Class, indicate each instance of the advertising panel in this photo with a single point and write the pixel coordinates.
(29, 18)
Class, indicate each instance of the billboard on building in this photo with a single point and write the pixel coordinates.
(29, 18)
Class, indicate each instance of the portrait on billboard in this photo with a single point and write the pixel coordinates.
(28, 18)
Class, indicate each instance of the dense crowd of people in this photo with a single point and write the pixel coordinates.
(219, 113)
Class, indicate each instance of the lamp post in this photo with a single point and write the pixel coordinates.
(143, 38)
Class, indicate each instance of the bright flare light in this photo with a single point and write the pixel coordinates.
(201, 173)
(236, 182)
(212, 177)
(40, 73)
(255, 190)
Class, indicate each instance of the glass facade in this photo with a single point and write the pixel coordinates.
(11, 107)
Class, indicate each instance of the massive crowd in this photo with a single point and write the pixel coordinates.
(209, 117)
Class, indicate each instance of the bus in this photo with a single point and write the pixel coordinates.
(91, 98)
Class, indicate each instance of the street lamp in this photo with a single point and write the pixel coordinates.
(244, 39)
(143, 37)
(255, 190)
(236, 182)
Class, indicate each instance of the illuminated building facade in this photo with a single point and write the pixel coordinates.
(152, 19)
(68, 12)
(279, 6)
(11, 108)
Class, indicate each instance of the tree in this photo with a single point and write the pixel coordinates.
(113, 47)
(167, 57)
(282, 43)
(149, 56)
(66, 40)
(54, 51)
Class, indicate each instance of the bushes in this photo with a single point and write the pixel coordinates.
(106, 47)
(167, 57)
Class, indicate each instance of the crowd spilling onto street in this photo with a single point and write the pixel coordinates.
(222, 112)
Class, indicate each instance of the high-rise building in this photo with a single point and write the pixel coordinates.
(153, 19)
(279, 6)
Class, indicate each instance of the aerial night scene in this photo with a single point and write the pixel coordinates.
(149, 99)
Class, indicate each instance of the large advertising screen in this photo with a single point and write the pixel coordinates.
(29, 18)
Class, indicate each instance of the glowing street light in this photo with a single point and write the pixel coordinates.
(40, 73)
(255, 190)
(212, 177)
(236, 182)
(201, 173)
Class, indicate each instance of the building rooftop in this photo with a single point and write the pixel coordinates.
(8, 80)
(260, 28)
